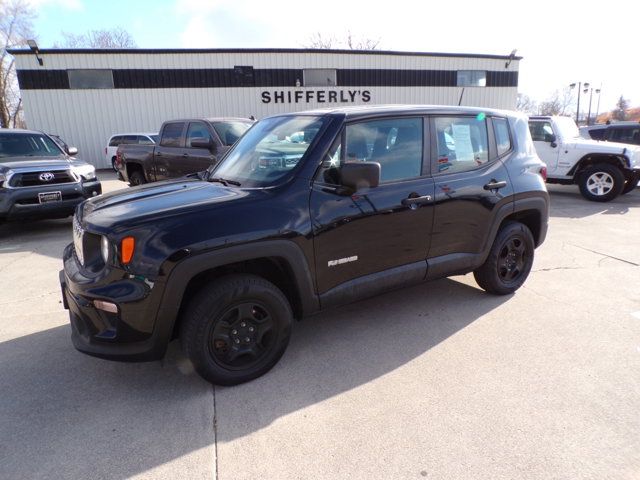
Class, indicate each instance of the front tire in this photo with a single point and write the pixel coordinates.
(601, 182)
(509, 261)
(236, 329)
(113, 164)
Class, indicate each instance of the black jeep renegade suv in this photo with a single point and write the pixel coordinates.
(307, 211)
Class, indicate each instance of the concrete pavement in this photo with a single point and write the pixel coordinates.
(436, 381)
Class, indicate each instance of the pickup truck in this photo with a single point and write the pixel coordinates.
(306, 212)
(185, 146)
(602, 170)
(39, 179)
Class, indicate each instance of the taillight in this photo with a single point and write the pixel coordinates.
(127, 246)
(543, 173)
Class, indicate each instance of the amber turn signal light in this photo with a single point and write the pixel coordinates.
(127, 246)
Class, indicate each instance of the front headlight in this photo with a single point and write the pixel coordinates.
(88, 172)
(104, 249)
(4, 177)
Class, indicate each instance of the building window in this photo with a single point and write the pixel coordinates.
(472, 78)
(319, 77)
(82, 79)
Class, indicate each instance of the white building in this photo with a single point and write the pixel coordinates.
(85, 96)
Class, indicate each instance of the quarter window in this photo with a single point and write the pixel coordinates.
(461, 142)
(503, 139)
(171, 135)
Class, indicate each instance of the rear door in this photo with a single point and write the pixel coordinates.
(471, 182)
(374, 230)
(168, 154)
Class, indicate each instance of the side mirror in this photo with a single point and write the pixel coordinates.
(72, 151)
(357, 175)
(550, 138)
(203, 143)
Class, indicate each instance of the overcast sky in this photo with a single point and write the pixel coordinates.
(562, 42)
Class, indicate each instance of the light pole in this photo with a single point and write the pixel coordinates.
(586, 85)
(598, 90)
(590, 90)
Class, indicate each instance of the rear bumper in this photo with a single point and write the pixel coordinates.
(23, 203)
(130, 334)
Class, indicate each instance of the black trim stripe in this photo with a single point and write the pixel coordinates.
(263, 78)
(317, 51)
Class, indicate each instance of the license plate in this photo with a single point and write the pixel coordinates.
(47, 197)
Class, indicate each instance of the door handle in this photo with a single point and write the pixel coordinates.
(185, 154)
(158, 154)
(416, 200)
(495, 185)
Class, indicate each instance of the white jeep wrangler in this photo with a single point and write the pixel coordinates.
(602, 170)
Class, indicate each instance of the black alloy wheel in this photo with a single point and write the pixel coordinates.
(509, 261)
(236, 328)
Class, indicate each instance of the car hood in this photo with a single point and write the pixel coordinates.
(601, 147)
(45, 163)
(155, 201)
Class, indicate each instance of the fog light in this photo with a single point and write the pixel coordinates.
(106, 306)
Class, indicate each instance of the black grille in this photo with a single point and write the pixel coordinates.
(32, 179)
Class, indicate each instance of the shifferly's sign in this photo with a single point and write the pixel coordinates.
(317, 96)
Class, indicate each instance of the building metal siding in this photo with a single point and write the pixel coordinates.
(153, 86)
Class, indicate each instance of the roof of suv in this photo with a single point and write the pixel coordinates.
(12, 131)
(379, 110)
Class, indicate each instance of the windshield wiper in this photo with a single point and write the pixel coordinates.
(224, 181)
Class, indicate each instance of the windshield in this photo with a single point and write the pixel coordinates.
(567, 127)
(269, 151)
(28, 145)
(230, 132)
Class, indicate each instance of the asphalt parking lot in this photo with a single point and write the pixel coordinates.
(436, 381)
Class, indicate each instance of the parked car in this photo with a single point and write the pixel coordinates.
(376, 199)
(621, 132)
(185, 146)
(38, 179)
(602, 170)
(126, 139)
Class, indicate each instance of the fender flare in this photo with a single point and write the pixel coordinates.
(191, 266)
(621, 157)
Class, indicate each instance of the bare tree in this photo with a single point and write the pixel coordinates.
(526, 104)
(114, 38)
(349, 42)
(16, 26)
(559, 103)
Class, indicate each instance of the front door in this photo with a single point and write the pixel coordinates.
(198, 159)
(169, 152)
(542, 135)
(374, 229)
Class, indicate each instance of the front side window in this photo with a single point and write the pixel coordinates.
(540, 131)
(503, 139)
(28, 145)
(171, 135)
(197, 131)
(144, 140)
(461, 142)
(268, 152)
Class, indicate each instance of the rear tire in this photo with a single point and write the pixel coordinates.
(136, 178)
(236, 329)
(509, 261)
(631, 183)
(601, 182)
(113, 163)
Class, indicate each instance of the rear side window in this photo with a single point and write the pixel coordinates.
(461, 142)
(130, 139)
(503, 138)
(625, 135)
(115, 141)
(171, 135)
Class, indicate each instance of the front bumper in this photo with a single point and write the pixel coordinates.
(23, 203)
(131, 334)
